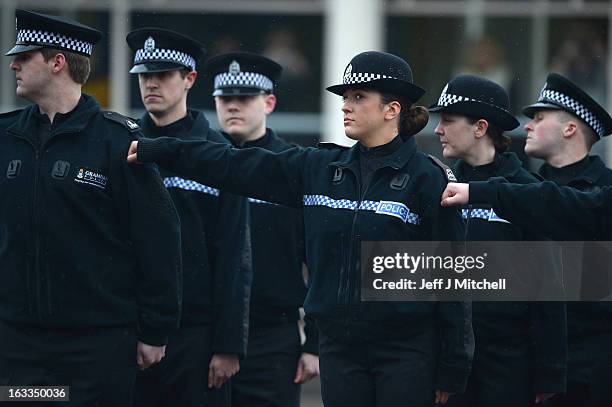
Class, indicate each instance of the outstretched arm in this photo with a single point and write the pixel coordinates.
(560, 213)
(253, 172)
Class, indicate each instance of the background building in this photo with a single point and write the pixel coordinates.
(515, 42)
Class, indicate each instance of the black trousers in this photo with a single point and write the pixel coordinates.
(181, 378)
(592, 356)
(378, 372)
(266, 374)
(597, 393)
(500, 377)
(99, 364)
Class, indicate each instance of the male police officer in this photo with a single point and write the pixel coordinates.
(565, 123)
(89, 247)
(216, 257)
(243, 91)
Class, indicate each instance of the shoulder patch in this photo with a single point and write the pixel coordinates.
(450, 177)
(130, 124)
(331, 146)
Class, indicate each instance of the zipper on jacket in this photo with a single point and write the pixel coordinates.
(37, 271)
(354, 292)
(36, 226)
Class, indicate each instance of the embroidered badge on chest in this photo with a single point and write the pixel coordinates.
(91, 177)
(397, 209)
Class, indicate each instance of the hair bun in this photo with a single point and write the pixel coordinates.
(417, 119)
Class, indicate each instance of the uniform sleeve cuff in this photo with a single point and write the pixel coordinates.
(150, 150)
(153, 337)
(482, 192)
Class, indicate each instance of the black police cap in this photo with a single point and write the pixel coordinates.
(242, 74)
(561, 93)
(159, 50)
(37, 30)
(381, 71)
(476, 97)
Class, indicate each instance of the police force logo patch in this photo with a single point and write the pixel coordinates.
(91, 177)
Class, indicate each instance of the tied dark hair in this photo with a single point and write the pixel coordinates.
(501, 142)
(412, 118)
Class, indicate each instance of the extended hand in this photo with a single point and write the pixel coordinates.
(456, 194)
(132, 157)
(222, 366)
(308, 367)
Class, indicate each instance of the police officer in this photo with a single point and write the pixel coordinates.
(383, 188)
(205, 351)
(90, 285)
(566, 122)
(243, 91)
(521, 347)
(562, 130)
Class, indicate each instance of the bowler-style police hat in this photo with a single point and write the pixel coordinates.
(159, 50)
(476, 97)
(242, 74)
(380, 71)
(37, 30)
(561, 93)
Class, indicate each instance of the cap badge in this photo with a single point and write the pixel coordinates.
(347, 72)
(234, 68)
(543, 89)
(149, 44)
(445, 89)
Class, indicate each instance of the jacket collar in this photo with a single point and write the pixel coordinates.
(588, 170)
(505, 165)
(264, 141)
(73, 122)
(194, 126)
(396, 160)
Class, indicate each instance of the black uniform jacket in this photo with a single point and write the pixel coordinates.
(586, 319)
(85, 240)
(216, 251)
(277, 242)
(542, 325)
(402, 202)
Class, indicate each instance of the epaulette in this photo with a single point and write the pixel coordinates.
(331, 146)
(450, 177)
(130, 124)
(537, 176)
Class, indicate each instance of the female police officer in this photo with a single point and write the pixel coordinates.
(383, 188)
(520, 346)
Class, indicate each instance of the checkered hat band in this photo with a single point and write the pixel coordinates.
(558, 98)
(361, 77)
(244, 80)
(38, 37)
(447, 99)
(165, 55)
(188, 185)
(374, 206)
